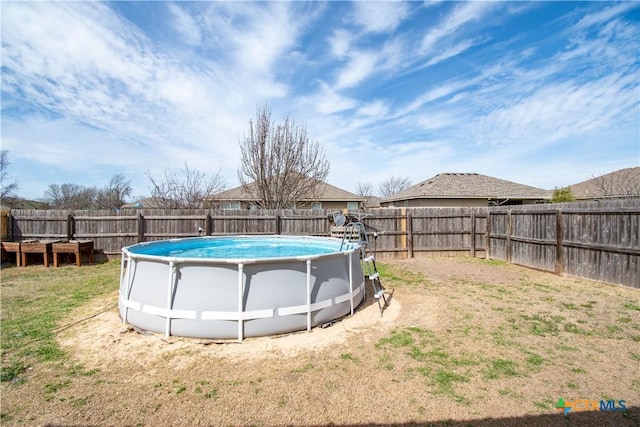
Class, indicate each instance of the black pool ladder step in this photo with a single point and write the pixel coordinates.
(371, 271)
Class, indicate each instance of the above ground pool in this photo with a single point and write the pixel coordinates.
(232, 287)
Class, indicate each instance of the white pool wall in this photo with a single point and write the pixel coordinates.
(234, 299)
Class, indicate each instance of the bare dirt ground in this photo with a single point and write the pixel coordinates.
(463, 342)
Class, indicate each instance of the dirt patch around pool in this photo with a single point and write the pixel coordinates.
(99, 340)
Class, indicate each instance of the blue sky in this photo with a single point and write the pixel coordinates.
(540, 93)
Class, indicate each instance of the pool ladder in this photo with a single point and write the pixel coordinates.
(356, 233)
(371, 271)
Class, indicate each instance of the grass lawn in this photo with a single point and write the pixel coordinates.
(464, 342)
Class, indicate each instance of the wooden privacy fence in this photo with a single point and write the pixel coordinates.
(113, 230)
(599, 241)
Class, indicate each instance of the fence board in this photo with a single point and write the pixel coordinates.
(533, 239)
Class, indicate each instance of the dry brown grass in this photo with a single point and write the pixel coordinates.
(464, 342)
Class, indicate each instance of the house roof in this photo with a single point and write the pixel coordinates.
(468, 186)
(148, 202)
(372, 202)
(17, 203)
(620, 183)
(328, 193)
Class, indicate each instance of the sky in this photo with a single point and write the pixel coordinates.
(545, 94)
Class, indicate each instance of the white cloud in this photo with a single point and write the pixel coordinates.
(433, 120)
(257, 34)
(606, 14)
(377, 108)
(379, 17)
(340, 42)
(461, 15)
(451, 51)
(186, 25)
(442, 91)
(394, 56)
(70, 61)
(555, 111)
(361, 64)
(359, 67)
(328, 101)
(431, 3)
(54, 40)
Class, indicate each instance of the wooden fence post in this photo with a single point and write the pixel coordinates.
(278, 225)
(4, 224)
(207, 225)
(327, 225)
(508, 235)
(70, 227)
(559, 242)
(487, 249)
(403, 229)
(473, 234)
(140, 227)
(409, 235)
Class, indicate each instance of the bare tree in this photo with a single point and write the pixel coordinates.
(113, 195)
(624, 183)
(7, 188)
(393, 185)
(186, 189)
(279, 165)
(365, 190)
(70, 196)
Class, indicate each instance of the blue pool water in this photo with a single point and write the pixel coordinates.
(233, 247)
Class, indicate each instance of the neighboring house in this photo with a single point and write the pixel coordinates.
(615, 185)
(17, 203)
(372, 202)
(466, 189)
(332, 198)
(147, 203)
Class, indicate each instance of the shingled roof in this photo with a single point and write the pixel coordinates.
(617, 184)
(469, 186)
(328, 193)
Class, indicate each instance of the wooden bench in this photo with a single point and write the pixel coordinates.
(13, 247)
(76, 247)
